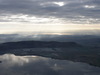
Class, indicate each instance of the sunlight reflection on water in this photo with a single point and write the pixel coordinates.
(36, 65)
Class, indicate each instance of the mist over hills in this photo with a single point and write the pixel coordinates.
(89, 40)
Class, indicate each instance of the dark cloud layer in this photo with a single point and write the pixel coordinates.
(77, 11)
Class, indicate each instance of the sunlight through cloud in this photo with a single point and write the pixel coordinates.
(89, 6)
(59, 3)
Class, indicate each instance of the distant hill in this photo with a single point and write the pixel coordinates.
(53, 49)
(37, 44)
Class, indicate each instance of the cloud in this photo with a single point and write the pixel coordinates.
(88, 6)
(59, 3)
(68, 10)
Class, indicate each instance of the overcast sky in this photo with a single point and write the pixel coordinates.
(48, 15)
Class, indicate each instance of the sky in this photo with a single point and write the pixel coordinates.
(49, 16)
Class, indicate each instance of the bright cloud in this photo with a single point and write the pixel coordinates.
(50, 11)
(59, 3)
(89, 6)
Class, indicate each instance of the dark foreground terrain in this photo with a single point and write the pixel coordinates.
(56, 50)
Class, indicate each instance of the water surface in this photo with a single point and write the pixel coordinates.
(36, 65)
